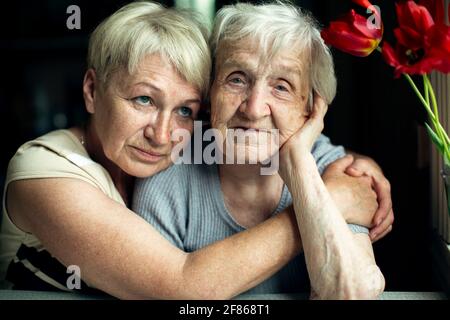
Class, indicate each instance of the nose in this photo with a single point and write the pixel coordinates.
(257, 104)
(158, 131)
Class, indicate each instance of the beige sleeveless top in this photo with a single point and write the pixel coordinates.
(24, 262)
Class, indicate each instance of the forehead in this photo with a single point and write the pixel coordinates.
(250, 56)
(157, 70)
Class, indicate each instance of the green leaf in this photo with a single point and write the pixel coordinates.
(435, 139)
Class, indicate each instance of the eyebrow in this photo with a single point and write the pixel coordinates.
(147, 84)
(230, 62)
(192, 101)
(282, 68)
(289, 70)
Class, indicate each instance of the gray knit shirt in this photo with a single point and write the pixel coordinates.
(186, 205)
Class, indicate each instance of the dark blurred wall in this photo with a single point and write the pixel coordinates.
(373, 113)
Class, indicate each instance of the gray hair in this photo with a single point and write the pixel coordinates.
(275, 26)
(142, 28)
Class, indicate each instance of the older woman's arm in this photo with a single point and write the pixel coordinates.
(121, 254)
(340, 264)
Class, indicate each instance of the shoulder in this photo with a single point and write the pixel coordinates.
(49, 151)
(58, 154)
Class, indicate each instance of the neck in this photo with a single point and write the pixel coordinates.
(122, 181)
(249, 196)
(245, 175)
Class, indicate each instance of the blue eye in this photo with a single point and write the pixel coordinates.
(236, 80)
(281, 88)
(185, 112)
(143, 100)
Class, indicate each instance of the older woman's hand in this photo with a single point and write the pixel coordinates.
(301, 142)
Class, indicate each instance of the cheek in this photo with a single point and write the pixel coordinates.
(117, 130)
(224, 108)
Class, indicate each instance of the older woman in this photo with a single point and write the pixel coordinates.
(268, 59)
(67, 193)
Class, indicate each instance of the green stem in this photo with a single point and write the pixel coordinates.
(419, 95)
(440, 131)
(436, 110)
(434, 116)
(425, 89)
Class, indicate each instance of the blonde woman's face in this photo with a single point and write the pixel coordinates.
(135, 115)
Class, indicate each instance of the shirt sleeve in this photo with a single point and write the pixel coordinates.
(355, 228)
(324, 152)
(159, 200)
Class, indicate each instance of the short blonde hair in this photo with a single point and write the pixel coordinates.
(273, 27)
(142, 28)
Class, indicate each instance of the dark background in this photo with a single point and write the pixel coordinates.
(43, 64)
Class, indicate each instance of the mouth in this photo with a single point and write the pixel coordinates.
(148, 155)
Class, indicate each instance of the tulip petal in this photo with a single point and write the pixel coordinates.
(342, 36)
(438, 37)
(389, 55)
(422, 18)
(409, 37)
(436, 9)
(363, 3)
(415, 16)
(360, 23)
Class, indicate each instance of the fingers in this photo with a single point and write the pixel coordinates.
(384, 228)
(389, 229)
(367, 166)
(341, 164)
(311, 129)
(319, 110)
(352, 171)
(383, 190)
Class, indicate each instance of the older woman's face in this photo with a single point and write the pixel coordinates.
(135, 115)
(253, 96)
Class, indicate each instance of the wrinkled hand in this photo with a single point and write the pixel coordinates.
(384, 216)
(301, 134)
(301, 142)
(354, 196)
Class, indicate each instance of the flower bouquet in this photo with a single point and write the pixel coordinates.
(422, 46)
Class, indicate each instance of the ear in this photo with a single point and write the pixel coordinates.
(90, 90)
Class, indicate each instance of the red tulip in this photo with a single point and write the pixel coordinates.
(363, 3)
(352, 34)
(436, 9)
(423, 45)
(414, 21)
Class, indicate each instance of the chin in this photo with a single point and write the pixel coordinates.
(251, 154)
(147, 170)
